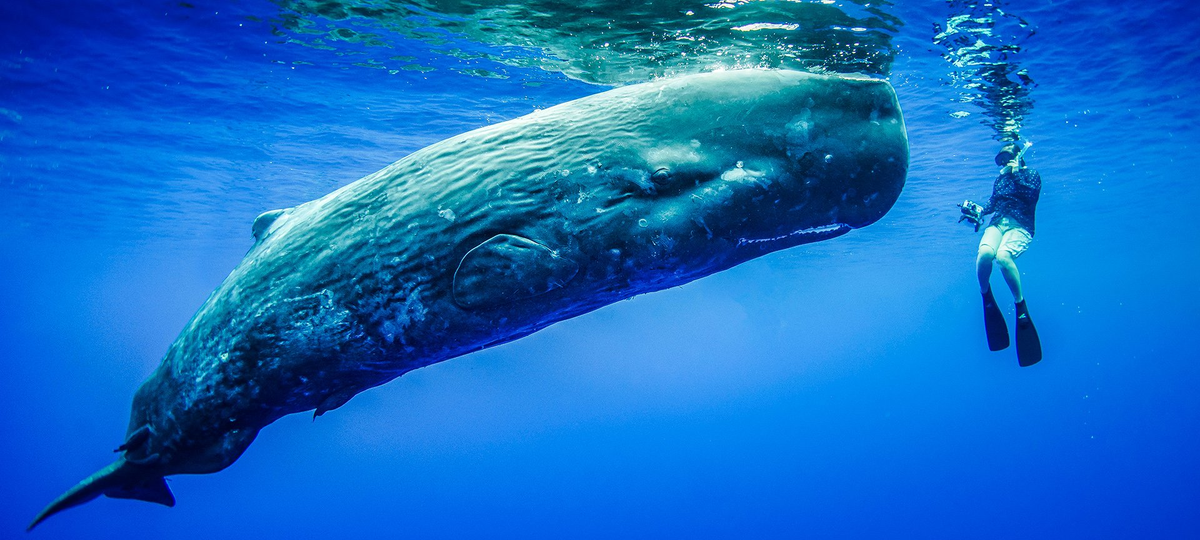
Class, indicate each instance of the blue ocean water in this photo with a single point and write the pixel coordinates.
(838, 389)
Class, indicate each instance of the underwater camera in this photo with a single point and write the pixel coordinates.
(972, 212)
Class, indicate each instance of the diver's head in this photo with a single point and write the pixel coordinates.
(1008, 153)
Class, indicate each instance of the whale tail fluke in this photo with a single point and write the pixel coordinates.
(121, 480)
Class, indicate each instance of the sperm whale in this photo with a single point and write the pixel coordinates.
(494, 234)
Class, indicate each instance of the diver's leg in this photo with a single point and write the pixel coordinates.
(1008, 268)
(993, 318)
(987, 253)
(1012, 245)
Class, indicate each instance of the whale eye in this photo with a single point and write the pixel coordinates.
(661, 176)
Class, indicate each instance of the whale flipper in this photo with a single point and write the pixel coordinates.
(507, 268)
(333, 401)
(136, 439)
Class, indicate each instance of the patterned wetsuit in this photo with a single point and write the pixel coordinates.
(1014, 196)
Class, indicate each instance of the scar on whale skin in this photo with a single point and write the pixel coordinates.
(508, 268)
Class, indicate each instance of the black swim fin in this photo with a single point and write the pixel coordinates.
(993, 320)
(1029, 346)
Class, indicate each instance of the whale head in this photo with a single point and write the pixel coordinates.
(661, 183)
(747, 162)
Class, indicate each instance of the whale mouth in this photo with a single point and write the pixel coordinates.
(802, 236)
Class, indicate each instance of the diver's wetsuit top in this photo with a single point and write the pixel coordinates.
(1014, 196)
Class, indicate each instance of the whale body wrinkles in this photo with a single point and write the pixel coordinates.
(496, 233)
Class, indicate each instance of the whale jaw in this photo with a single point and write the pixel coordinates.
(800, 236)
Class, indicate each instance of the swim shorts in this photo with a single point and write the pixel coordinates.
(1013, 238)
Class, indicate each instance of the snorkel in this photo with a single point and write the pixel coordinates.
(1015, 163)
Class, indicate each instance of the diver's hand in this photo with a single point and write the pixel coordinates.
(973, 220)
(1016, 160)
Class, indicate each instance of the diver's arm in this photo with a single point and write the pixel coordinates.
(1001, 187)
(990, 205)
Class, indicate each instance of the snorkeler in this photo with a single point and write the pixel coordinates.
(1014, 197)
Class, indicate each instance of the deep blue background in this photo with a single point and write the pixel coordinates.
(840, 389)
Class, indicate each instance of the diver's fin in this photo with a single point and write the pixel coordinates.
(118, 479)
(993, 320)
(153, 490)
(1029, 345)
